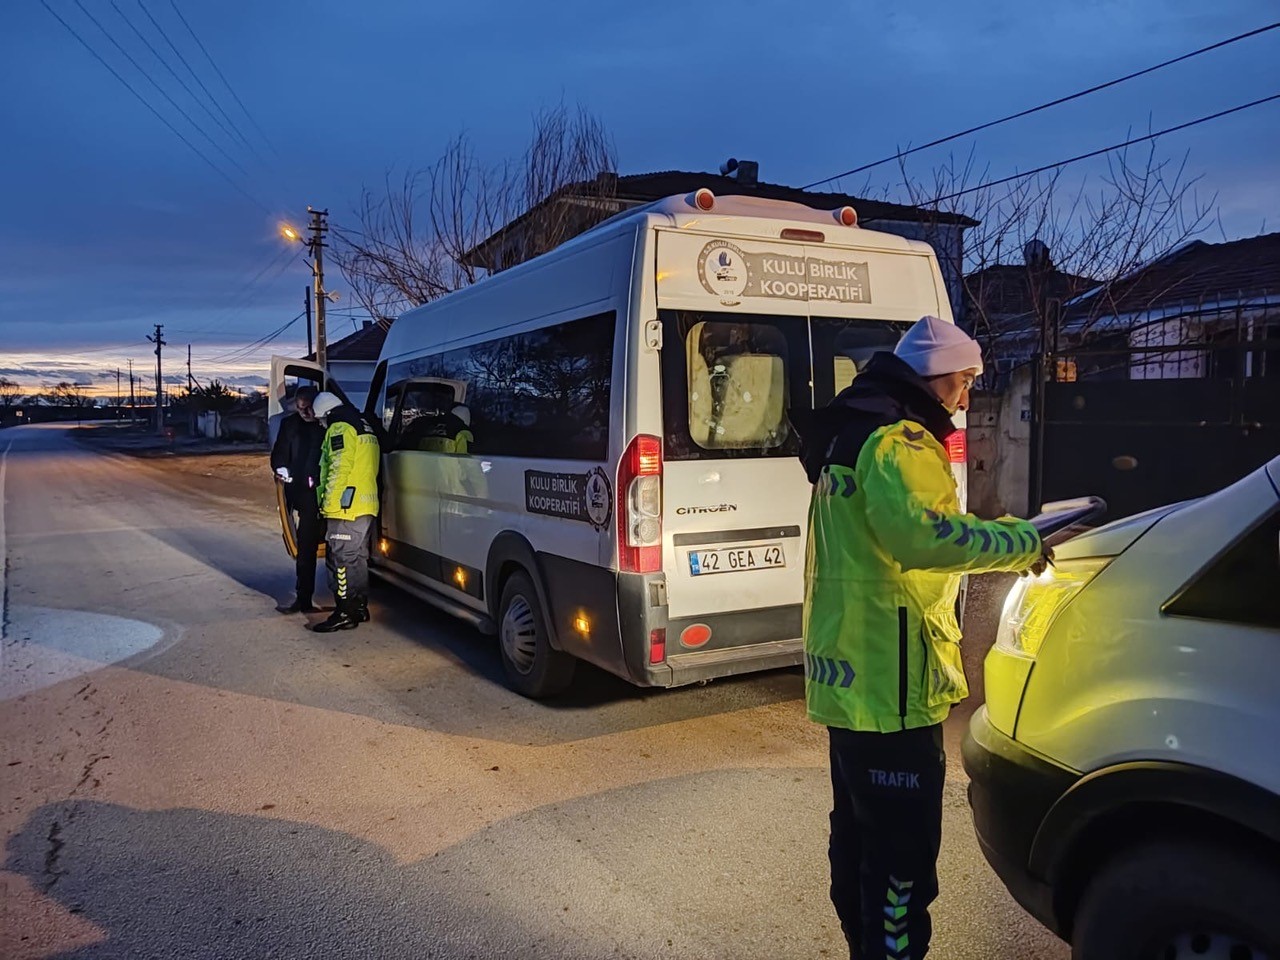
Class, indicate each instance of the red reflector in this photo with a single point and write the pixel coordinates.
(809, 236)
(704, 199)
(958, 447)
(847, 216)
(696, 635)
(658, 645)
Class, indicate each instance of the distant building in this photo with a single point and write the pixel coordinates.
(999, 309)
(1219, 300)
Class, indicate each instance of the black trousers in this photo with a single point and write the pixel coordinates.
(886, 827)
(347, 557)
(310, 528)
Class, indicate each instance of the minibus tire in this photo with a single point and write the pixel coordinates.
(533, 667)
(1153, 899)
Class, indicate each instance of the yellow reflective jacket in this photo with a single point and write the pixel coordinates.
(349, 462)
(886, 549)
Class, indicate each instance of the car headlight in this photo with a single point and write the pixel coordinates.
(1035, 602)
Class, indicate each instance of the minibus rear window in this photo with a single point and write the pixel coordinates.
(730, 382)
(841, 349)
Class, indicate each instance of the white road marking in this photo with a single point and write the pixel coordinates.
(48, 646)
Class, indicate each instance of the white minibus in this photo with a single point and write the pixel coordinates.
(594, 454)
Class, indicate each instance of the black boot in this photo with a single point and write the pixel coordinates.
(361, 609)
(301, 605)
(342, 618)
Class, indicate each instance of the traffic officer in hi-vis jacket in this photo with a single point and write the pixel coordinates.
(348, 497)
(887, 545)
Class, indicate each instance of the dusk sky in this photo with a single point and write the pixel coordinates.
(111, 224)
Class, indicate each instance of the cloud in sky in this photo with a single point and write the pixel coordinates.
(112, 225)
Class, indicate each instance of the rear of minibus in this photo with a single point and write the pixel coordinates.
(759, 319)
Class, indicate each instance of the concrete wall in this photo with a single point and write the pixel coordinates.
(1000, 448)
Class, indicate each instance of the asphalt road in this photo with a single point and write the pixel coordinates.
(188, 773)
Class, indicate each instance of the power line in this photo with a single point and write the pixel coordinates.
(172, 129)
(1095, 153)
(243, 297)
(242, 353)
(137, 66)
(196, 77)
(165, 63)
(221, 77)
(1046, 106)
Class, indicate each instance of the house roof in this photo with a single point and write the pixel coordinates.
(362, 346)
(637, 188)
(1004, 290)
(1193, 273)
(653, 186)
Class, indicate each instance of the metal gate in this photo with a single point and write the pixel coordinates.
(1146, 426)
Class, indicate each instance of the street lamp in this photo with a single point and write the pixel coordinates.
(315, 246)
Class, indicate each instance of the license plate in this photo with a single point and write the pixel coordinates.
(735, 559)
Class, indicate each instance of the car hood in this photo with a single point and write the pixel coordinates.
(1114, 538)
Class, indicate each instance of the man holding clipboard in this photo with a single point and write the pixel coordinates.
(888, 544)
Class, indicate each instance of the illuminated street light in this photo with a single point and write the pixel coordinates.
(289, 233)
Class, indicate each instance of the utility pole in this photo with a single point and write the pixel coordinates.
(159, 341)
(117, 393)
(133, 407)
(319, 227)
(306, 305)
(190, 382)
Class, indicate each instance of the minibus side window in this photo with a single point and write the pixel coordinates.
(389, 408)
(541, 394)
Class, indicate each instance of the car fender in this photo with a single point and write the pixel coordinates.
(1147, 783)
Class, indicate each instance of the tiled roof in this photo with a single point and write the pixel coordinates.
(1194, 273)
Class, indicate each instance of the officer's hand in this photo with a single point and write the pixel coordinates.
(1042, 564)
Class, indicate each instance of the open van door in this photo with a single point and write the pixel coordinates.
(287, 374)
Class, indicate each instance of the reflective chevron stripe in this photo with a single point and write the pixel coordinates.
(831, 484)
(341, 573)
(828, 670)
(897, 944)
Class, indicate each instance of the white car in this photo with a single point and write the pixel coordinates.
(1125, 770)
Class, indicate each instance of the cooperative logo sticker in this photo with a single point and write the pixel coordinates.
(587, 497)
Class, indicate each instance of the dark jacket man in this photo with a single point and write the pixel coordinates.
(295, 460)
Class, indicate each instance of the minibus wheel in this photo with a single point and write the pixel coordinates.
(1177, 900)
(534, 668)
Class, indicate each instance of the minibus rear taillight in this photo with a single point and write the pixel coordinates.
(640, 506)
(957, 447)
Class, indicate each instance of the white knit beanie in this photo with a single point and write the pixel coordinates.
(932, 347)
(325, 403)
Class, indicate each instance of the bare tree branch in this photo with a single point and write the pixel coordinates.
(418, 239)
